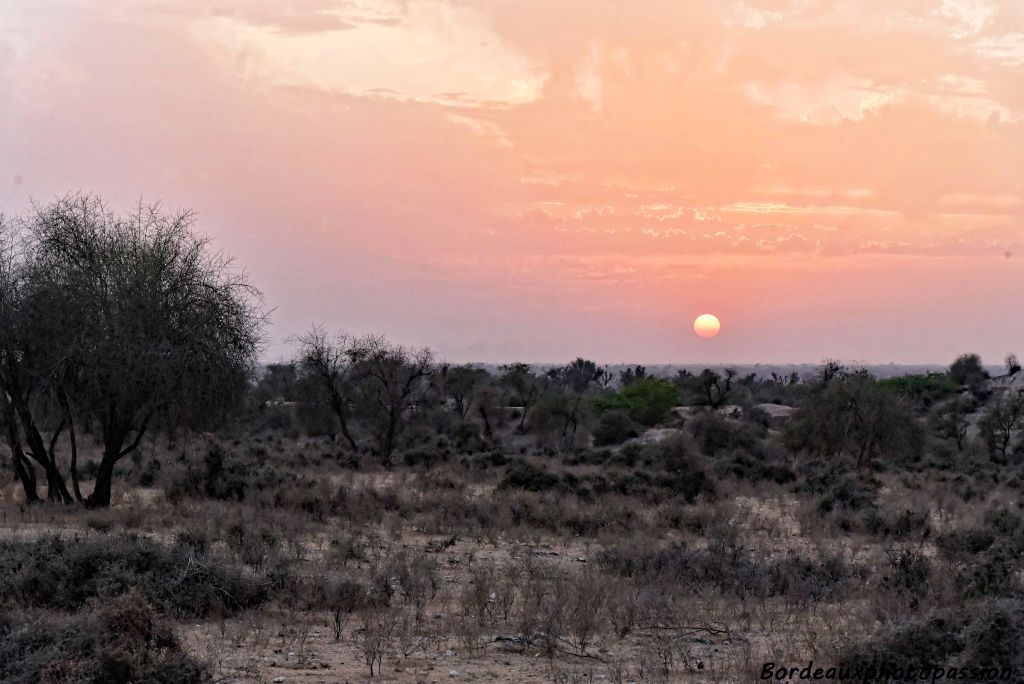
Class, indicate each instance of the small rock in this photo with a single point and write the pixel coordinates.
(453, 673)
(449, 653)
(278, 680)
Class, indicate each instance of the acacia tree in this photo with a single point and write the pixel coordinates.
(393, 381)
(1001, 422)
(329, 370)
(460, 385)
(952, 420)
(526, 387)
(134, 325)
(850, 412)
(13, 377)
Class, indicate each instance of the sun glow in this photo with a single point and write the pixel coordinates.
(707, 325)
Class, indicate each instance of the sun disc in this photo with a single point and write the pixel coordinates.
(707, 325)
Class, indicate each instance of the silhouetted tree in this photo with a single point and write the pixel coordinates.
(393, 380)
(132, 324)
(459, 385)
(631, 375)
(967, 370)
(714, 388)
(524, 385)
(328, 369)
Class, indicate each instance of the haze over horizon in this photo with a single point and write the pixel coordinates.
(540, 181)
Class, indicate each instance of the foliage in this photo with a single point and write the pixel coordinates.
(121, 640)
(851, 412)
(647, 400)
(923, 390)
(66, 574)
(967, 370)
(614, 427)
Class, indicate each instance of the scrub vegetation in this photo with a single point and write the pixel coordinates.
(173, 511)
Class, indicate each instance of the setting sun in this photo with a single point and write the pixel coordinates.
(707, 325)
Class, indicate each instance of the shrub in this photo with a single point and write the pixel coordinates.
(119, 641)
(66, 573)
(715, 433)
(988, 634)
(683, 476)
(523, 475)
(850, 495)
(614, 427)
(646, 400)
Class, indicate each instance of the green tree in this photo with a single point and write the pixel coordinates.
(646, 400)
(850, 412)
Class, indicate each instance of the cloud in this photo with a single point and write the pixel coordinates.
(488, 130)
(425, 51)
(588, 82)
(1007, 48)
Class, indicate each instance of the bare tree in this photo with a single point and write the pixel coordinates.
(952, 419)
(393, 382)
(375, 637)
(328, 368)
(1001, 422)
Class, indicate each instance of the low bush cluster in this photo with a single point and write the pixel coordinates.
(117, 640)
(65, 574)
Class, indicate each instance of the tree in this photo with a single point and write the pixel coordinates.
(459, 385)
(851, 412)
(709, 388)
(967, 370)
(952, 419)
(579, 375)
(129, 324)
(647, 400)
(524, 385)
(328, 369)
(1001, 422)
(631, 375)
(1012, 364)
(393, 380)
(13, 375)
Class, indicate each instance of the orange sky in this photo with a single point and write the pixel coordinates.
(538, 180)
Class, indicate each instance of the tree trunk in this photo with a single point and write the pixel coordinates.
(388, 445)
(488, 432)
(337, 404)
(348, 436)
(57, 489)
(23, 468)
(100, 497)
(26, 475)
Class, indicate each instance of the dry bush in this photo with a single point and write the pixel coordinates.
(121, 640)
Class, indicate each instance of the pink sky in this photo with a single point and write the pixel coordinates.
(539, 180)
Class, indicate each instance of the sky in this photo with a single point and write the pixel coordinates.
(536, 180)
